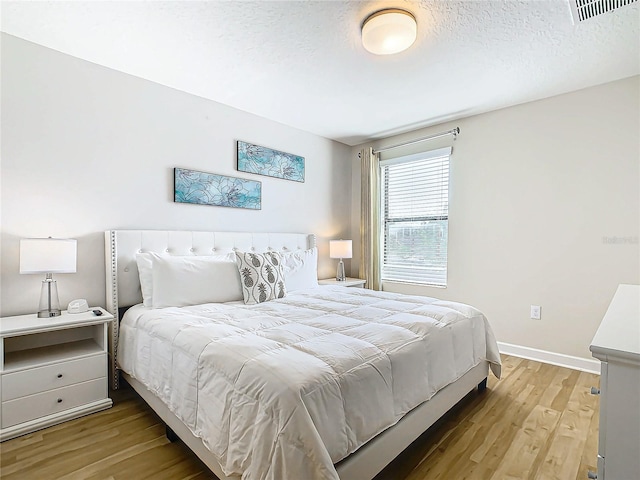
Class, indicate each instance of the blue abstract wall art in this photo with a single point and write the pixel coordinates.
(272, 163)
(204, 188)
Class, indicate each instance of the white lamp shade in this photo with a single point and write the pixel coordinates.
(48, 255)
(340, 248)
(389, 31)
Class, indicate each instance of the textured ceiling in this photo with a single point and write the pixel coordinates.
(301, 63)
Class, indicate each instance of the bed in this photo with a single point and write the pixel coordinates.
(317, 383)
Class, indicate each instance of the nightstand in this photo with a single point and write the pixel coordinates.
(51, 370)
(348, 282)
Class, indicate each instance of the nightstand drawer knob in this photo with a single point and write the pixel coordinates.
(59, 400)
(592, 475)
(59, 375)
(595, 391)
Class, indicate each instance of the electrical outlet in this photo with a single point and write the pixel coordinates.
(535, 312)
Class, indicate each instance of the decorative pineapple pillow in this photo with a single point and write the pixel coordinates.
(261, 276)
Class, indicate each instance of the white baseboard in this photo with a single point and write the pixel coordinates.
(559, 359)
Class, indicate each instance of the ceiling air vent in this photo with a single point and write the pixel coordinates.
(582, 10)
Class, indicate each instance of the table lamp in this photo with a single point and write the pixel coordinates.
(340, 249)
(48, 256)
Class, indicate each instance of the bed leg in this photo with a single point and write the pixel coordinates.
(482, 386)
(171, 435)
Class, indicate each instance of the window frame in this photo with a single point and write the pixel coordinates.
(433, 271)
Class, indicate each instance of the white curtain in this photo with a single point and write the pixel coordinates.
(370, 219)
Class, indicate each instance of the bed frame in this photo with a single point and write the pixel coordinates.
(123, 291)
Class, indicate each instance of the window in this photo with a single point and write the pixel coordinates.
(415, 217)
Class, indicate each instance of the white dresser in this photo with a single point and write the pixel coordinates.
(617, 345)
(51, 370)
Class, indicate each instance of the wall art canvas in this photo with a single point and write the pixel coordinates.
(210, 189)
(272, 163)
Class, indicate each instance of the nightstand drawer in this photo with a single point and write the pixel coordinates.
(53, 401)
(41, 379)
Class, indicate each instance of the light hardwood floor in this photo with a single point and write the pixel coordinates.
(538, 422)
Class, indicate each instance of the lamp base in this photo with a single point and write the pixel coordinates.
(340, 276)
(49, 302)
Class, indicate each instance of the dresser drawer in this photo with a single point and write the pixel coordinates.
(41, 379)
(53, 401)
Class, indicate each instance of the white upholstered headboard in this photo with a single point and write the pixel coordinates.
(122, 246)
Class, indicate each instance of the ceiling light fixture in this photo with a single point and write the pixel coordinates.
(389, 31)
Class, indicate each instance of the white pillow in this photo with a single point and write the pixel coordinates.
(181, 281)
(179, 274)
(145, 266)
(300, 269)
(261, 276)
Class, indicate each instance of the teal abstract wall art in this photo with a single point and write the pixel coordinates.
(203, 188)
(272, 163)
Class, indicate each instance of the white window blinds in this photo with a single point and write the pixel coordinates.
(415, 217)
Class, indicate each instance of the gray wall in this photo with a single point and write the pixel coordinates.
(544, 210)
(86, 149)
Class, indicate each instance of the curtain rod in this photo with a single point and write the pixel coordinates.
(453, 132)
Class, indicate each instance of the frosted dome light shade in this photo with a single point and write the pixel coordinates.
(389, 31)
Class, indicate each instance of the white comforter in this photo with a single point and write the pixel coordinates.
(285, 389)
